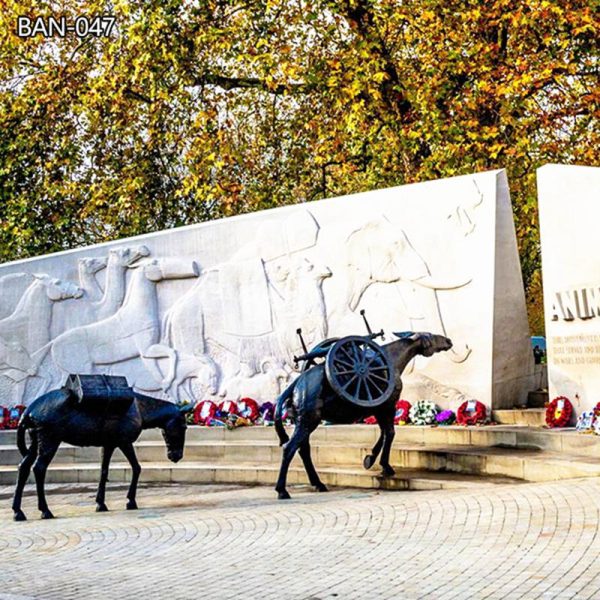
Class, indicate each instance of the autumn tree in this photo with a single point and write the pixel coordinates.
(196, 110)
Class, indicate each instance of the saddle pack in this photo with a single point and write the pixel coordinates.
(107, 395)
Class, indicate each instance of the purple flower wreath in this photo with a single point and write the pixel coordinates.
(446, 417)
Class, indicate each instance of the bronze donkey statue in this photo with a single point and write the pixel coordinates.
(310, 399)
(56, 417)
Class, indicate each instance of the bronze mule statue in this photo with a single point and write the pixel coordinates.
(57, 417)
(311, 398)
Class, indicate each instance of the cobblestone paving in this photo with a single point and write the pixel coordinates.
(514, 541)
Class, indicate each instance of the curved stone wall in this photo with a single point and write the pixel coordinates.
(211, 310)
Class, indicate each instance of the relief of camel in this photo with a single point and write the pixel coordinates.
(127, 334)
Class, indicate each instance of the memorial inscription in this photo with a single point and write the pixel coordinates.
(575, 349)
(582, 303)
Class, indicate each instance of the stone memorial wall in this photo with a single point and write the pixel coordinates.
(569, 205)
(211, 310)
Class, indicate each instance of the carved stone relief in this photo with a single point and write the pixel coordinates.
(379, 253)
(436, 391)
(199, 348)
(127, 334)
(25, 333)
(267, 301)
(12, 288)
(228, 329)
(463, 215)
(269, 382)
(99, 303)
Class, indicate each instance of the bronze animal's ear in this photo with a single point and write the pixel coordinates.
(403, 334)
(185, 408)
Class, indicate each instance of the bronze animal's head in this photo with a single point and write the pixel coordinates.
(430, 342)
(174, 435)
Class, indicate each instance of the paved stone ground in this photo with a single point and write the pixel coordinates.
(511, 541)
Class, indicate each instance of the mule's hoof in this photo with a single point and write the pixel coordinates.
(283, 495)
(101, 508)
(132, 505)
(321, 488)
(368, 461)
(388, 471)
(19, 516)
(46, 514)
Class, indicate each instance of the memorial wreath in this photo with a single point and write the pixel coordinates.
(267, 413)
(471, 412)
(9, 417)
(585, 422)
(228, 407)
(14, 415)
(248, 409)
(446, 417)
(423, 412)
(402, 412)
(204, 412)
(559, 412)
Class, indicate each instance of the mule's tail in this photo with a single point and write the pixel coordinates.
(21, 430)
(279, 406)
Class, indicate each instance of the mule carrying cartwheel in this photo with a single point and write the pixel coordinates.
(356, 367)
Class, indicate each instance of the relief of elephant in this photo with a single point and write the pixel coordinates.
(378, 252)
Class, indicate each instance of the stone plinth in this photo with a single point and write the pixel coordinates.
(569, 204)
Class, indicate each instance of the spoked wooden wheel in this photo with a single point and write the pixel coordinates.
(360, 371)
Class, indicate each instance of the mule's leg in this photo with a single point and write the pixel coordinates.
(129, 452)
(107, 452)
(370, 459)
(47, 449)
(313, 476)
(386, 423)
(300, 435)
(24, 470)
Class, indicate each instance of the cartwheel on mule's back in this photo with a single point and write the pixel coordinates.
(344, 380)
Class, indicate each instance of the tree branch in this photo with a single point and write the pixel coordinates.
(230, 83)
(137, 96)
(361, 19)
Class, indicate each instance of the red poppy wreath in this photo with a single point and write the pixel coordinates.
(467, 414)
(559, 412)
(248, 408)
(14, 414)
(204, 412)
(402, 409)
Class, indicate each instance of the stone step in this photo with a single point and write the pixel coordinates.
(352, 434)
(565, 440)
(260, 451)
(526, 464)
(533, 417)
(259, 474)
(364, 434)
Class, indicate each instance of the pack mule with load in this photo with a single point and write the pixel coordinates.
(344, 380)
(92, 410)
